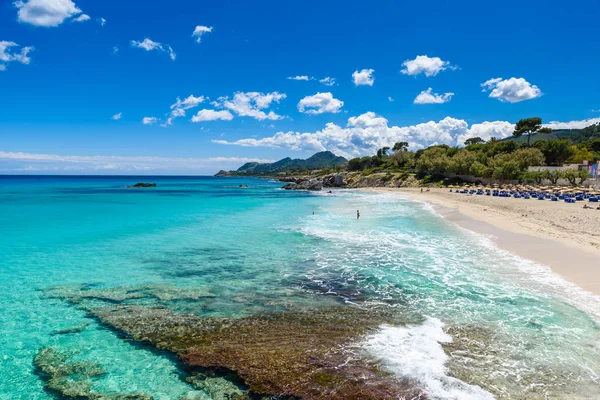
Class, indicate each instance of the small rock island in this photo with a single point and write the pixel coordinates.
(142, 185)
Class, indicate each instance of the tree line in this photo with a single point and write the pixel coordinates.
(496, 159)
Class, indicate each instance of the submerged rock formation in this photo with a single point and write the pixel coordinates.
(296, 354)
(72, 330)
(220, 387)
(78, 294)
(73, 379)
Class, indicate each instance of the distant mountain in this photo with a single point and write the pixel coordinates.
(324, 159)
(575, 136)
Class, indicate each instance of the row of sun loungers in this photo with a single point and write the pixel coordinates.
(533, 195)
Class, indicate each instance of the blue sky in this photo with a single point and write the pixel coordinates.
(67, 67)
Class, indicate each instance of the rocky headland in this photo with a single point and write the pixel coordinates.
(348, 180)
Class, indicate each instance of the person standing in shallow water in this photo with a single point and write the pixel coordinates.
(357, 214)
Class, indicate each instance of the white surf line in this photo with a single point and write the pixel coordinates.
(415, 352)
(532, 270)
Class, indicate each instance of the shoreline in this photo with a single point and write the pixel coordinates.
(550, 233)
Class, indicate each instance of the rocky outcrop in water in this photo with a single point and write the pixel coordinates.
(305, 184)
(334, 180)
(288, 179)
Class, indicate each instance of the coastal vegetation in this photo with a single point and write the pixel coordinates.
(500, 160)
(573, 136)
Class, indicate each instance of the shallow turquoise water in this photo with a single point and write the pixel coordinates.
(260, 249)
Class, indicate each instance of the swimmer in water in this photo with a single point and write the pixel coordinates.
(357, 214)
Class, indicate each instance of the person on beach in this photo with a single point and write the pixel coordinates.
(357, 214)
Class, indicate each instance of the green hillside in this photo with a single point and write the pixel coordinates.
(324, 159)
(575, 136)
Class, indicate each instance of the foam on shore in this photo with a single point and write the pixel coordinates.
(416, 353)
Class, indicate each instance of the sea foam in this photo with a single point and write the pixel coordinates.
(416, 353)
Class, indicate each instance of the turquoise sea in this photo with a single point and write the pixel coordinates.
(255, 249)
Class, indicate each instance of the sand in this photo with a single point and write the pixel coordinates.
(563, 236)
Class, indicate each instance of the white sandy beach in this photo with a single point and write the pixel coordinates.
(563, 236)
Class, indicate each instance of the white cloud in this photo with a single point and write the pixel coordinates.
(428, 97)
(511, 90)
(252, 104)
(52, 163)
(487, 130)
(190, 102)
(327, 81)
(117, 117)
(366, 133)
(149, 120)
(300, 78)
(364, 77)
(149, 45)
(390, 99)
(82, 18)
(101, 21)
(320, 103)
(47, 13)
(572, 124)
(179, 107)
(178, 112)
(201, 30)
(6, 56)
(430, 66)
(212, 115)
(167, 123)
